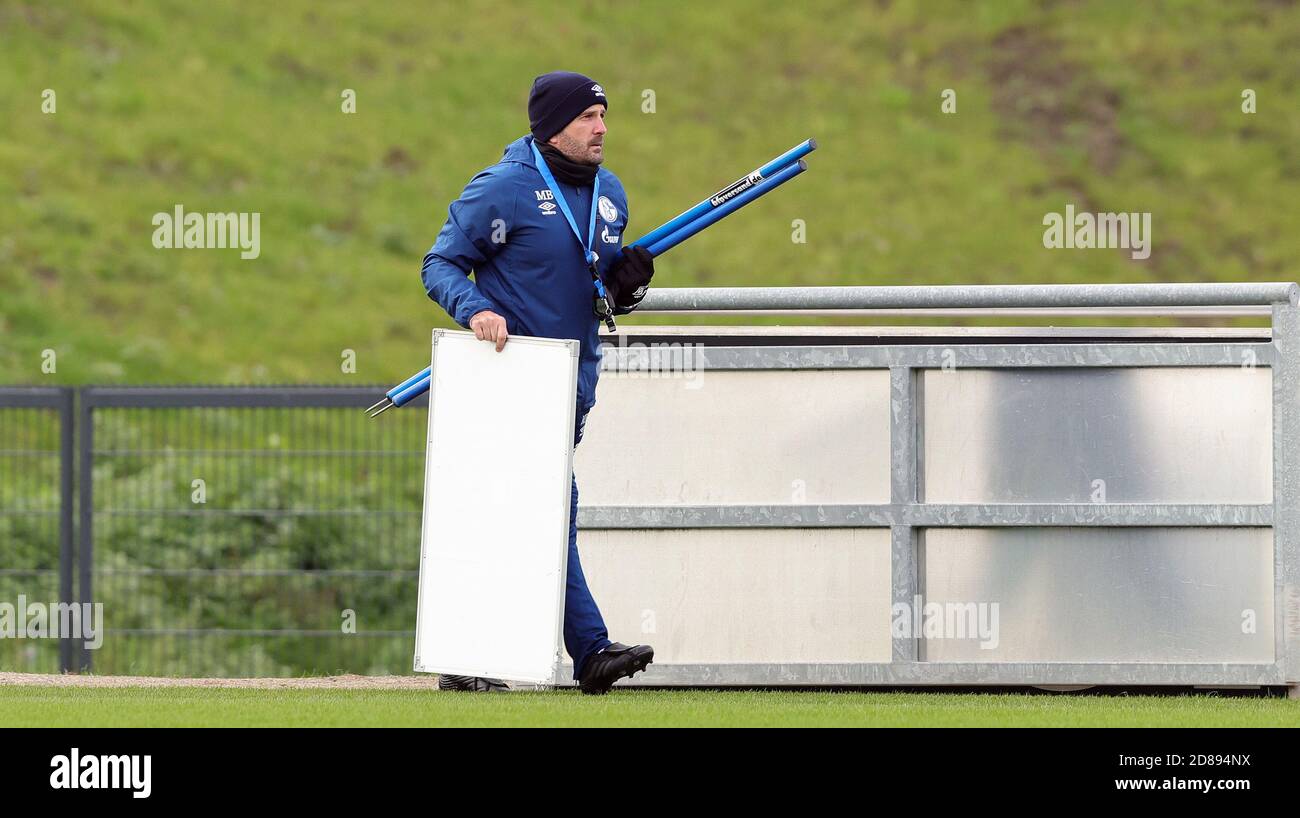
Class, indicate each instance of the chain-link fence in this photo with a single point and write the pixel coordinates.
(36, 506)
(261, 531)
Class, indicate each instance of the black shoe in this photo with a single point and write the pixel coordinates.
(613, 663)
(476, 684)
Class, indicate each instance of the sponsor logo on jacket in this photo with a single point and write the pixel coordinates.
(607, 210)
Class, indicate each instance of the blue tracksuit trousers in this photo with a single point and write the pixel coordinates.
(584, 627)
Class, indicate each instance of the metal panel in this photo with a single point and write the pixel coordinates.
(716, 437)
(1093, 595)
(744, 596)
(1104, 435)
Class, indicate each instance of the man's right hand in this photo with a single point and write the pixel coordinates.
(488, 326)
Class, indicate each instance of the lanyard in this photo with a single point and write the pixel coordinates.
(587, 252)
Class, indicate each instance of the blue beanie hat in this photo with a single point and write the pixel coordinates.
(556, 100)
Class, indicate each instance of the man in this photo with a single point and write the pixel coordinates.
(540, 230)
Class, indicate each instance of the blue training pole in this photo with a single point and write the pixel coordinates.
(661, 239)
(683, 233)
(729, 192)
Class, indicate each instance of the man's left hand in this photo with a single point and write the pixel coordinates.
(630, 272)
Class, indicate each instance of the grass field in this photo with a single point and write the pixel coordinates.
(1107, 106)
(32, 706)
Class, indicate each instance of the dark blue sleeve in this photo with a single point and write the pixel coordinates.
(465, 243)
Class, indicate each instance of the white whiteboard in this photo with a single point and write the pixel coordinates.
(494, 544)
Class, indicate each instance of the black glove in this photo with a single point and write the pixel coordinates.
(629, 277)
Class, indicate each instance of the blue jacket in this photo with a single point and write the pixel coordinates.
(528, 266)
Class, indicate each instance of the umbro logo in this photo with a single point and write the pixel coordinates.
(547, 208)
(597, 90)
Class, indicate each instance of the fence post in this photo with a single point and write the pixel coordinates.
(86, 509)
(1286, 489)
(67, 502)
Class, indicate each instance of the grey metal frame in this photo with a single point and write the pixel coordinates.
(904, 515)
